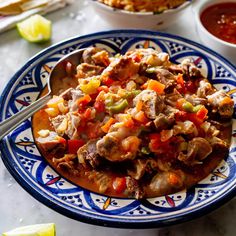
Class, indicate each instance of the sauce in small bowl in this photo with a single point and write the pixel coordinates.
(220, 20)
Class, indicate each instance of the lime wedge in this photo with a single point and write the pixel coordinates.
(33, 230)
(35, 29)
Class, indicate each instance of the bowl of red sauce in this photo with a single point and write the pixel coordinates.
(216, 24)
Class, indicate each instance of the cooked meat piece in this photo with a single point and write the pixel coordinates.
(72, 125)
(187, 127)
(52, 143)
(204, 89)
(101, 179)
(161, 183)
(60, 124)
(75, 95)
(209, 129)
(218, 143)
(110, 146)
(121, 69)
(198, 149)
(88, 154)
(165, 77)
(189, 69)
(163, 121)
(172, 98)
(153, 104)
(85, 70)
(141, 166)
(222, 103)
(133, 188)
(95, 56)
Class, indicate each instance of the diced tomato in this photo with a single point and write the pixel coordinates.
(202, 113)
(99, 106)
(107, 81)
(119, 184)
(74, 145)
(156, 86)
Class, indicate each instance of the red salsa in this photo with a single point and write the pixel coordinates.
(220, 20)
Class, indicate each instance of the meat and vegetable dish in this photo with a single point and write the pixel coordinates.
(136, 125)
(143, 5)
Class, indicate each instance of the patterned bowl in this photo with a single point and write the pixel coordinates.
(22, 157)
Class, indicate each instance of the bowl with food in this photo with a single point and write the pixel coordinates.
(216, 26)
(145, 138)
(149, 14)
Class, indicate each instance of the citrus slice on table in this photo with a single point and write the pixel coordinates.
(35, 29)
(33, 230)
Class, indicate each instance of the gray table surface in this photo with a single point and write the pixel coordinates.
(17, 207)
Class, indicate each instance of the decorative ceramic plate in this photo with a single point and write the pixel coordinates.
(22, 157)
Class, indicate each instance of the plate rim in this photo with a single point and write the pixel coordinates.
(85, 217)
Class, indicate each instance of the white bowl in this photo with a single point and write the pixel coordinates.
(145, 20)
(224, 48)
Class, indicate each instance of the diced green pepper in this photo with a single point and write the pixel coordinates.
(197, 108)
(118, 107)
(133, 93)
(187, 106)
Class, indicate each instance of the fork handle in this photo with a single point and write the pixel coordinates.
(11, 123)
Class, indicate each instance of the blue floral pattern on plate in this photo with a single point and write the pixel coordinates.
(22, 157)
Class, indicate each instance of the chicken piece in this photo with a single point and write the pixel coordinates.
(140, 167)
(111, 146)
(60, 124)
(88, 154)
(152, 103)
(171, 99)
(52, 143)
(121, 69)
(95, 56)
(190, 70)
(187, 127)
(198, 149)
(85, 70)
(222, 103)
(162, 184)
(205, 88)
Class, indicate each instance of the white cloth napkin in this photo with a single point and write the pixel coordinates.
(8, 22)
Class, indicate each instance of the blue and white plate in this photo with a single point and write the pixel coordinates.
(22, 157)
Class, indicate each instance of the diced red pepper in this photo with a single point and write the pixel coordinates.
(202, 113)
(119, 184)
(74, 145)
(107, 81)
(99, 106)
(181, 116)
(195, 119)
(87, 114)
(82, 102)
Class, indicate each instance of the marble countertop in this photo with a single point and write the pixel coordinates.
(17, 207)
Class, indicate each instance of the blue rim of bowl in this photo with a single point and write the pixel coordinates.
(102, 220)
(148, 13)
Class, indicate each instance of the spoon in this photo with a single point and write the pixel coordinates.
(62, 70)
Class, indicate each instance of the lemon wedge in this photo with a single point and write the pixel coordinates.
(35, 29)
(33, 230)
